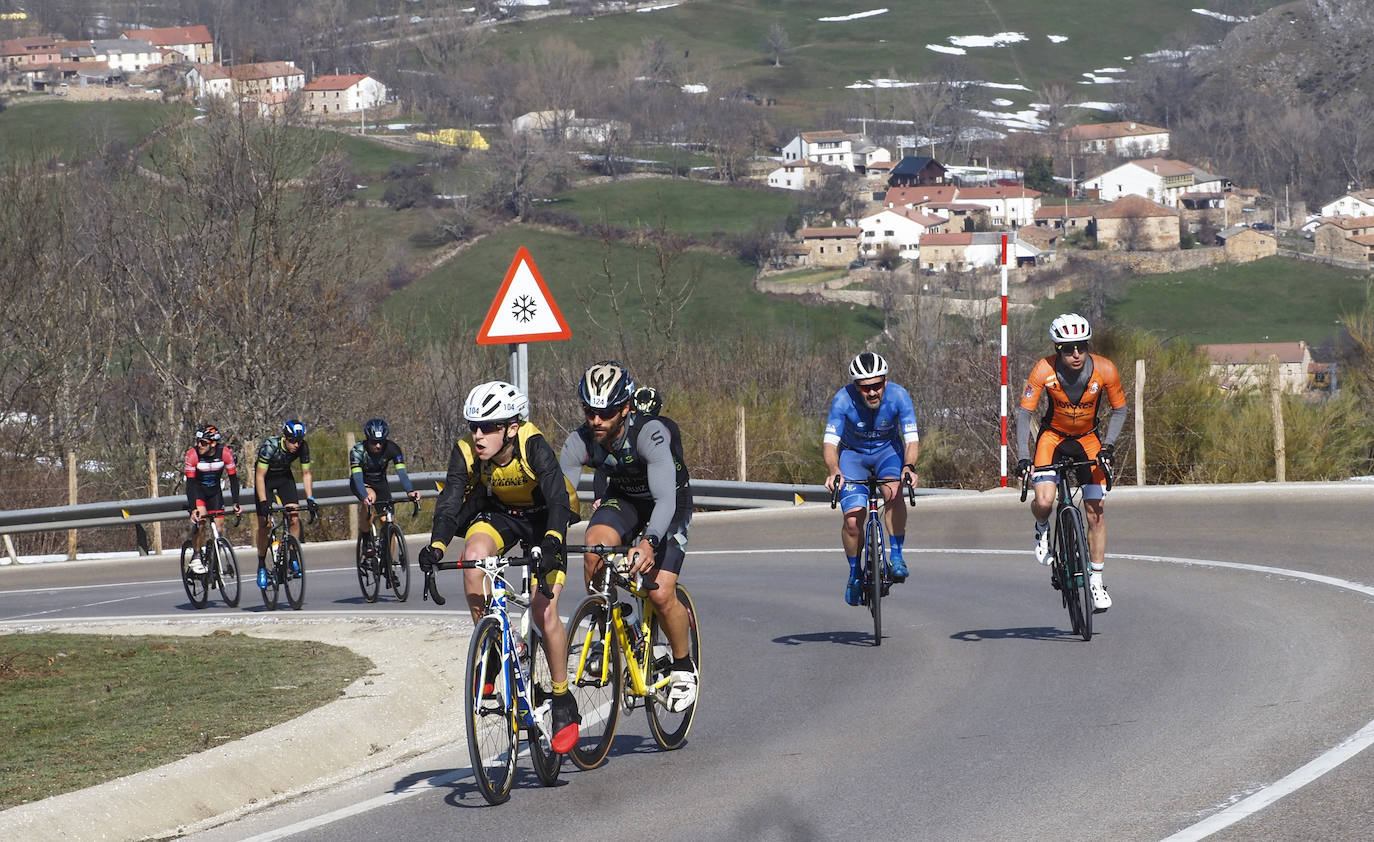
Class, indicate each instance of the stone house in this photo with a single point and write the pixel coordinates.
(1220, 209)
(1244, 244)
(836, 245)
(1246, 365)
(1065, 217)
(337, 94)
(1345, 238)
(1135, 223)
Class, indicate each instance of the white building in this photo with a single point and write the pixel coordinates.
(1157, 179)
(1123, 139)
(850, 152)
(1358, 203)
(898, 229)
(336, 94)
(129, 55)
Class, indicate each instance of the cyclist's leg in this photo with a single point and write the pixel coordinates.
(364, 521)
(613, 522)
(889, 464)
(1044, 488)
(854, 504)
(481, 540)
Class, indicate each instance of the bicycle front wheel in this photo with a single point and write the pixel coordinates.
(1073, 546)
(490, 713)
(196, 584)
(670, 727)
(293, 577)
(397, 563)
(547, 762)
(594, 676)
(875, 567)
(367, 570)
(228, 572)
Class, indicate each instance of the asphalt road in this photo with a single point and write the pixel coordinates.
(1237, 654)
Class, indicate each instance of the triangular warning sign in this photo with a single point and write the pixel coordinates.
(523, 310)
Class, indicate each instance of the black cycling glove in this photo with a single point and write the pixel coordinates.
(429, 557)
(264, 508)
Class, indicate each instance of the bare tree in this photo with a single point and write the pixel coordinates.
(776, 43)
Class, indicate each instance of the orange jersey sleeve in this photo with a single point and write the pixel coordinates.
(1065, 416)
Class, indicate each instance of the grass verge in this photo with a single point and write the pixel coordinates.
(84, 709)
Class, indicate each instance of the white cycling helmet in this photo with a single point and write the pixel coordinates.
(1070, 327)
(866, 365)
(496, 401)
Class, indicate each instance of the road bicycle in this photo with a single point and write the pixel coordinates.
(619, 659)
(873, 566)
(509, 690)
(285, 561)
(384, 560)
(221, 568)
(1070, 570)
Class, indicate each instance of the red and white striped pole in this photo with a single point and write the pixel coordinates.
(1004, 360)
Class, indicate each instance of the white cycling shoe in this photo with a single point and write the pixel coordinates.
(197, 565)
(682, 690)
(1101, 601)
(1042, 547)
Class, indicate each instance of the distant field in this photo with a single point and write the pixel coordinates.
(52, 128)
(454, 300)
(718, 43)
(688, 207)
(1272, 300)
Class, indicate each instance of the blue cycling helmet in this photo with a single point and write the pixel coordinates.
(376, 429)
(294, 430)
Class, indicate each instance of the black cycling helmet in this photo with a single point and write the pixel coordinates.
(294, 430)
(208, 432)
(647, 401)
(376, 429)
(606, 385)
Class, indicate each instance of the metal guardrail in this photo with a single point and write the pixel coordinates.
(707, 494)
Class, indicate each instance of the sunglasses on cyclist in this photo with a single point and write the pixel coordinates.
(1072, 348)
(292, 439)
(485, 427)
(871, 387)
(604, 414)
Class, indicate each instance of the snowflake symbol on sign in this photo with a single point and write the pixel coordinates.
(523, 308)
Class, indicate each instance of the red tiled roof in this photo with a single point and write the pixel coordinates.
(1129, 207)
(1103, 131)
(1253, 352)
(955, 238)
(832, 232)
(997, 192)
(334, 83)
(171, 35)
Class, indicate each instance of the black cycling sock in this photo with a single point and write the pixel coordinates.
(683, 665)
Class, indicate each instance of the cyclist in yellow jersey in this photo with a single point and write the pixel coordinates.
(504, 486)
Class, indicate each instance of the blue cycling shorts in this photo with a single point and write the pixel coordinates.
(855, 467)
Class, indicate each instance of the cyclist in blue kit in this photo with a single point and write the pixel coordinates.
(871, 429)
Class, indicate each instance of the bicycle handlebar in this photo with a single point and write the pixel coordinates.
(238, 516)
(603, 550)
(1063, 466)
(840, 480)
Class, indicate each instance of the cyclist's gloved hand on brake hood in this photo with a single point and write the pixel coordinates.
(550, 557)
(313, 507)
(263, 508)
(1023, 467)
(429, 557)
(1106, 457)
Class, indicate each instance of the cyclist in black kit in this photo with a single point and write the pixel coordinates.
(367, 463)
(273, 479)
(642, 489)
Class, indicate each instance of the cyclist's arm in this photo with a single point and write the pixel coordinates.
(191, 461)
(455, 506)
(355, 482)
(1116, 397)
(551, 484)
(572, 457)
(831, 454)
(655, 447)
(406, 485)
(1023, 433)
(1030, 399)
(232, 469)
(307, 479)
(260, 481)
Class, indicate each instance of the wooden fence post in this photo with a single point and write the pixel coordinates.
(739, 442)
(71, 500)
(350, 440)
(1276, 402)
(1139, 422)
(156, 547)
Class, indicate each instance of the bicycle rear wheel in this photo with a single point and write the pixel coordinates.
(293, 577)
(875, 567)
(368, 580)
(594, 677)
(196, 584)
(670, 727)
(397, 563)
(547, 762)
(1072, 546)
(228, 572)
(490, 713)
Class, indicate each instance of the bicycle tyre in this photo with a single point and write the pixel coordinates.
(1073, 545)
(368, 580)
(227, 566)
(597, 691)
(493, 733)
(197, 585)
(670, 728)
(874, 568)
(547, 762)
(293, 577)
(398, 562)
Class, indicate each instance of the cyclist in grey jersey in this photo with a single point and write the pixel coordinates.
(641, 488)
